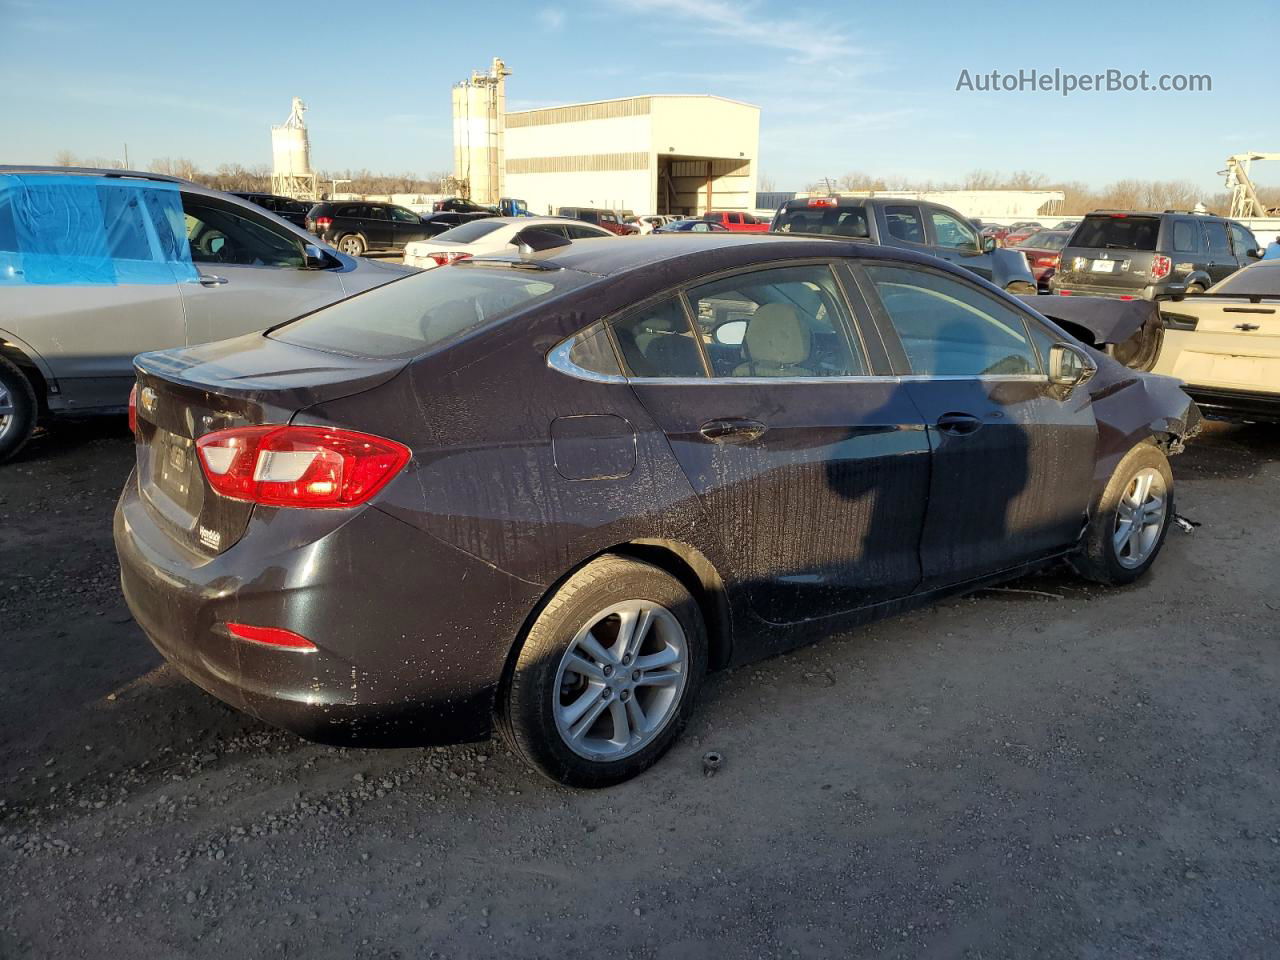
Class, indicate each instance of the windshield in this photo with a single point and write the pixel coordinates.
(468, 232)
(1045, 240)
(1117, 232)
(407, 317)
(1259, 279)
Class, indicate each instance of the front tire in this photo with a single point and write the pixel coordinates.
(608, 674)
(18, 410)
(1130, 520)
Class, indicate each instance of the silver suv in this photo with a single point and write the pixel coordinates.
(97, 266)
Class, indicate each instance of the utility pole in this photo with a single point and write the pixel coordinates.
(126, 156)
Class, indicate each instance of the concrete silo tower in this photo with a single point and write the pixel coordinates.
(479, 110)
(291, 174)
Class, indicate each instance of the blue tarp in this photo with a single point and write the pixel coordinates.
(86, 230)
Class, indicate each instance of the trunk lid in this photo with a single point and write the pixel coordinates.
(184, 394)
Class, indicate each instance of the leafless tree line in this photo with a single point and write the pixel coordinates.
(234, 176)
(1131, 194)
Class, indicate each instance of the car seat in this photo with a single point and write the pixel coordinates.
(778, 343)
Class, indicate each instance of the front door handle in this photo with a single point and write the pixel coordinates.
(732, 430)
(959, 424)
(209, 280)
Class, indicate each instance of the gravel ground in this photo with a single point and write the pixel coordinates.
(1004, 775)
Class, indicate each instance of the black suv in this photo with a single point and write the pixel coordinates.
(1128, 254)
(286, 208)
(358, 226)
(911, 224)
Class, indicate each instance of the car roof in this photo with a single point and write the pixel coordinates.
(700, 251)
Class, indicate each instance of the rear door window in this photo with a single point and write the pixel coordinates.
(903, 223)
(657, 341)
(951, 329)
(1117, 232)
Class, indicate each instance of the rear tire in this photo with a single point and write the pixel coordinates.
(1130, 520)
(18, 410)
(608, 674)
(352, 245)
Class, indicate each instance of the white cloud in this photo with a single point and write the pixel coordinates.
(550, 19)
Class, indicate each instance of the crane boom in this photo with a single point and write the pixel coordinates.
(1244, 196)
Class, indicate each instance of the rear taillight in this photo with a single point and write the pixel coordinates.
(133, 409)
(283, 466)
(271, 637)
(1048, 261)
(448, 257)
(822, 201)
(1160, 266)
(324, 223)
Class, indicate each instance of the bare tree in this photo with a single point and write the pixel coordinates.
(64, 158)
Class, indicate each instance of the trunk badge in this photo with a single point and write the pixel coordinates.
(147, 397)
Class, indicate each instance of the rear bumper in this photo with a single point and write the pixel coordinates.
(1152, 291)
(406, 655)
(1236, 404)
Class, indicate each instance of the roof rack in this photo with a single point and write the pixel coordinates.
(93, 171)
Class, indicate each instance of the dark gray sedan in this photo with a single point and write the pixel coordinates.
(552, 491)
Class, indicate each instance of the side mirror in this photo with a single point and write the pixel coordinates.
(1253, 253)
(731, 333)
(988, 244)
(1069, 366)
(313, 258)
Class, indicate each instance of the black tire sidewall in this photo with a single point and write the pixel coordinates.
(25, 409)
(529, 709)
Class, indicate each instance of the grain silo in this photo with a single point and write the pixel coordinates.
(291, 174)
(479, 106)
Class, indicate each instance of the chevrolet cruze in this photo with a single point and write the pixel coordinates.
(549, 492)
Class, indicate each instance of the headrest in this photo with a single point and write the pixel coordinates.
(776, 334)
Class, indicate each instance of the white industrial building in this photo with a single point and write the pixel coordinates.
(682, 154)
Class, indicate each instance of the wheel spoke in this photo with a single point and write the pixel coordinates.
(639, 628)
(592, 646)
(1153, 510)
(621, 724)
(658, 678)
(663, 658)
(636, 714)
(1143, 489)
(588, 721)
(580, 665)
(574, 711)
(1123, 528)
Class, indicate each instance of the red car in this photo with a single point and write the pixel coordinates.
(1019, 232)
(736, 221)
(1044, 252)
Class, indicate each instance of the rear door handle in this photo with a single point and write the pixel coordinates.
(732, 430)
(959, 424)
(209, 280)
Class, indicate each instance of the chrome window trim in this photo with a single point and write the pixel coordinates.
(764, 381)
(558, 359)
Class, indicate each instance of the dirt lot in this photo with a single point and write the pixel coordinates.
(1006, 775)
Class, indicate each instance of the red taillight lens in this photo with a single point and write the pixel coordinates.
(444, 259)
(1160, 266)
(133, 409)
(324, 223)
(1048, 261)
(283, 466)
(822, 201)
(271, 637)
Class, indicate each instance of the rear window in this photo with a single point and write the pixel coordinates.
(826, 221)
(1117, 233)
(1260, 279)
(468, 232)
(407, 317)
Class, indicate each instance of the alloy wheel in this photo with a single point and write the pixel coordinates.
(7, 411)
(1140, 517)
(619, 683)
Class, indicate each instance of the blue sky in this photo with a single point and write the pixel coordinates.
(843, 86)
